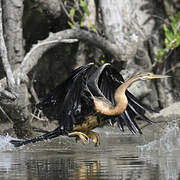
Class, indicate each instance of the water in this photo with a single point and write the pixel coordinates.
(119, 157)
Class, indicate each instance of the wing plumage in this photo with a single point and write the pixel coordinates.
(72, 100)
(66, 100)
(104, 82)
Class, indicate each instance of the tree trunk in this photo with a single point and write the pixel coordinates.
(89, 22)
(13, 33)
(133, 24)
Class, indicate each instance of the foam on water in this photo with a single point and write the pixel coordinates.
(5, 144)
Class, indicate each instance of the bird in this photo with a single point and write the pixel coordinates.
(90, 97)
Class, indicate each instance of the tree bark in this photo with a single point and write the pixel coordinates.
(89, 22)
(4, 55)
(13, 33)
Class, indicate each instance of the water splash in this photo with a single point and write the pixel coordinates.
(164, 152)
(5, 144)
(168, 142)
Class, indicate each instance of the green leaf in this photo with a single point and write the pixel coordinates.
(93, 27)
(161, 52)
(85, 7)
(72, 12)
(176, 44)
(83, 4)
(178, 40)
(165, 28)
(71, 24)
(174, 28)
(172, 37)
(159, 55)
(169, 35)
(82, 21)
(102, 61)
(166, 43)
(87, 12)
(175, 21)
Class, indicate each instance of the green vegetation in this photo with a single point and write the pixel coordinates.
(85, 12)
(172, 37)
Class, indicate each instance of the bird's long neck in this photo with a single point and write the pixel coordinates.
(120, 96)
(120, 99)
(120, 91)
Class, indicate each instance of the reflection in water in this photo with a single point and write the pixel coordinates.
(63, 169)
(87, 170)
(50, 169)
(83, 169)
(117, 158)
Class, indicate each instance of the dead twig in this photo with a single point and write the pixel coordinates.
(38, 118)
(67, 14)
(6, 115)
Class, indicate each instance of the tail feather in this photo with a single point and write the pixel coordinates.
(17, 143)
(49, 135)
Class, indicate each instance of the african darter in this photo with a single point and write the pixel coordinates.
(87, 98)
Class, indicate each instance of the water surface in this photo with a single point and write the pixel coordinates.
(118, 157)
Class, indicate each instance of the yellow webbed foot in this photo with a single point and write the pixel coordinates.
(94, 137)
(79, 135)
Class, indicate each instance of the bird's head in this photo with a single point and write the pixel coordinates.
(147, 76)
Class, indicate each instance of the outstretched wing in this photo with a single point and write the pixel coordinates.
(65, 101)
(106, 80)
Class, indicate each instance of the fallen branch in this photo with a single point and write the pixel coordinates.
(39, 49)
(32, 57)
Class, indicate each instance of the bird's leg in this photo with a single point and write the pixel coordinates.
(79, 135)
(94, 137)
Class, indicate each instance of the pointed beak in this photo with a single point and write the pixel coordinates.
(154, 76)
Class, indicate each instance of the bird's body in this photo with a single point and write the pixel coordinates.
(89, 97)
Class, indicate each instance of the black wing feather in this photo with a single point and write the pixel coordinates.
(68, 98)
(65, 100)
(139, 104)
(131, 118)
(142, 116)
(127, 123)
(108, 81)
(58, 94)
(119, 121)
